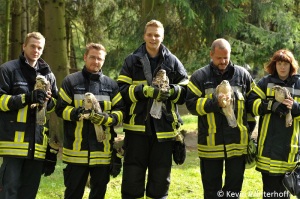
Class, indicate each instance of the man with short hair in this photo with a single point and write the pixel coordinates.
(150, 136)
(221, 141)
(23, 141)
(83, 152)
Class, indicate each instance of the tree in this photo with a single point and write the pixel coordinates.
(55, 52)
(16, 39)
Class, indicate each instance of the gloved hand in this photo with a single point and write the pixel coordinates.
(179, 152)
(78, 113)
(115, 164)
(101, 119)
(50, 161)
(279, 108)
(36, 96)
(251, 156)
(155, 93)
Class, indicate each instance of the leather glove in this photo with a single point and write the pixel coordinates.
(179, 152)
(101, 119)
(251, 157)
(115, 164)
(50, 161)
(36, 96)
(155, 93)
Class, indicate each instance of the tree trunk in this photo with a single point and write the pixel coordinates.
(55, 52)
(24, 30)
(6, 34)
(16, 39)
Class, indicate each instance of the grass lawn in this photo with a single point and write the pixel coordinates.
(185, 179)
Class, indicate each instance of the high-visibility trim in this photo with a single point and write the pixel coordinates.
(53, 108)
(250, 118)
(99, 157)
(211, 123)
(263, 133)
(14, 148)
(274, 166)
(200, 106)
(126, 79)
(217, 151)
(178, 95)
(116, 99)
(132, 127)
(40, 151)
(4, 102)
(78, 160)
(256, 105)
(64, 96)
(144, 82)
(132, 108)
(259, 92)
(194, 89)
(119, 115)
(78, 136)
(240, 123)
(19, 136)
(22, 114)
(66, 115)
(106, 106)
(184, 82)
(166, 135)
(131, 93)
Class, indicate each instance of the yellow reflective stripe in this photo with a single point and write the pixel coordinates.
(194, 89)
(78, 136)
(178, 95)
(263, 133)
(134, 127)
(270, 91)
(256, 105)
(259, 92)
(132, 108)
(210, 139)
(218, 150)
(144, 82)
(79, 160)
(40, 151)
(131, 93)
(67, 113)
(53, 108)
(99, 161)
(184, 82)
(106, 143)
(116, 99)
(19, 136)
(274, 166)
(240, 123)
(22, 114)
(211, 123)
(125, 79)
(100, 154)
(4, 102)
(14, 148)
(64, 96)
(74, 153)
(119, 115)
(165, 135)
(107, 106)
(200, 106)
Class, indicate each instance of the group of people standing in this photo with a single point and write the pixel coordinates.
(149, 140)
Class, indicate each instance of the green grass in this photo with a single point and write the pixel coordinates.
(185, 179)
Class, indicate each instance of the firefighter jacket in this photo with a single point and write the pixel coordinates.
(135, 73)
(278, 145)
(80, 142)
(20, 135)
(216, 139)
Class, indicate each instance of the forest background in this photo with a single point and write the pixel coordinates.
(255, 29)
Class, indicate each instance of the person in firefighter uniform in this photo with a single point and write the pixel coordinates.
(83, 153)
(23, 141)
(278, 135)
(149, 139)
(219, 142)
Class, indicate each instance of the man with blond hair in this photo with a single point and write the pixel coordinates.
(149, 139)
(23, 141)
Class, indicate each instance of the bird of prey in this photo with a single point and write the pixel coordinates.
(280, 94)
(90, 103)
(225, 93)
(161, 80)
(43, 84)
